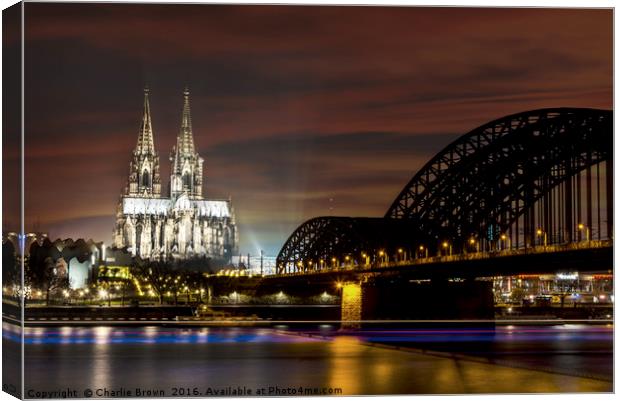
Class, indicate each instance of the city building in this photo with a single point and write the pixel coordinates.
(184, 224)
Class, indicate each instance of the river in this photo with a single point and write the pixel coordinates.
(174, 361)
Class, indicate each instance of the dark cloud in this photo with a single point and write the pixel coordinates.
(298, 111)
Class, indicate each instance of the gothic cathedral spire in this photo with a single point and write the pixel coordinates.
(186, 138)
(186, 174)
(144, 177)
(183, 225)
(146, 144)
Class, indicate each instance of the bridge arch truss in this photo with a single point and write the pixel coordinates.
(535, 178)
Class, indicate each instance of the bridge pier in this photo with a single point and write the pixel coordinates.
(352, 304)
(436, 300)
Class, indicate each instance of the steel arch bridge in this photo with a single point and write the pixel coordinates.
(532, 178)
(328, 242)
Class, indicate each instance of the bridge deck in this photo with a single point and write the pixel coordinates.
(598, 255)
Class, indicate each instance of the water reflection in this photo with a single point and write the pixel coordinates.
(149, 334)
(344, 366)
(165, 357)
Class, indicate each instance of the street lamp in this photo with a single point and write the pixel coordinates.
(383, 256)
(425, 250)
(473, 242)
(581, 227)
(539, 233)
(447, 246)
(504, 237)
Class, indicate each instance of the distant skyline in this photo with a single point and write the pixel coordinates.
(298, 111)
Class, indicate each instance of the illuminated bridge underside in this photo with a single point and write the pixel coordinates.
(507, 184)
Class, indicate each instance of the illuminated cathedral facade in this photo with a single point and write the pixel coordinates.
(182, 224)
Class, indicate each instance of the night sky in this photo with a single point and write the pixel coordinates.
(298, 111)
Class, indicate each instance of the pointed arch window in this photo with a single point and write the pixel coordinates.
(187, 180)
(146, 179)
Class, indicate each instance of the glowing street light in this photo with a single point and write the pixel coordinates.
(581, 227)
(425, 250)
(473, 242)
(504, 237)
(539, 233)
(366, 258)
(383, 256)
(447, 246)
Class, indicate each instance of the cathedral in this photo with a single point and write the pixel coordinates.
(183, 224)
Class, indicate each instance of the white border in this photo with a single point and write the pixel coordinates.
(457, 3)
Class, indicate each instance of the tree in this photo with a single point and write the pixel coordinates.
(197, 281)
(50, 279)
(154, 273)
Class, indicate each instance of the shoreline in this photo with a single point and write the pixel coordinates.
(89, 322)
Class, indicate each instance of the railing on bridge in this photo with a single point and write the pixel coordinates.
(541, 249)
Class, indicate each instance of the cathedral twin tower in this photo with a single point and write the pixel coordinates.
(184, 224)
